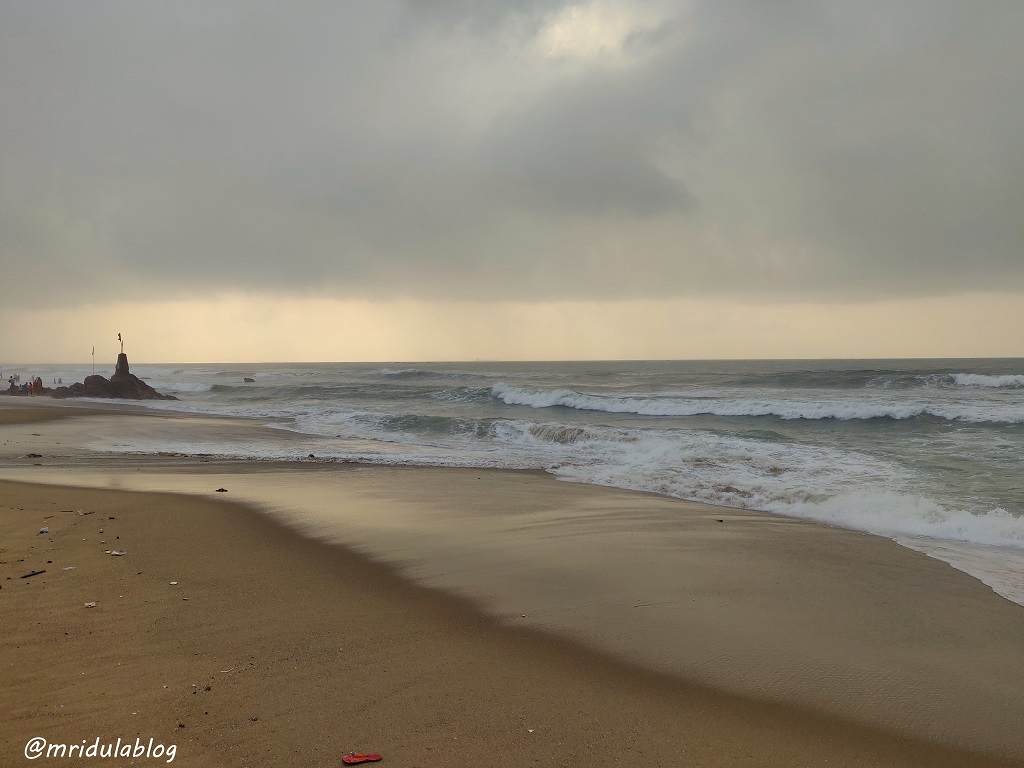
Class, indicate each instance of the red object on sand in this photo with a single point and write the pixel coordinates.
(354, 757)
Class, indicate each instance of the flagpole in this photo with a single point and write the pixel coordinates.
(93, 359)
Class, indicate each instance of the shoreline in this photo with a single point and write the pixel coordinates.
(764, 728)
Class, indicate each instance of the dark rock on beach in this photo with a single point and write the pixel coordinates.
(123, 385)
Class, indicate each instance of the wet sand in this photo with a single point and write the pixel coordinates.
(332, 652)
(15, 410)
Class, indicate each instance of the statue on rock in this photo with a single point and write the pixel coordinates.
(122, 385)
(121, 369)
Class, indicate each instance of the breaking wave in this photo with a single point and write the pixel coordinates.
(839, 408)
(980, 380)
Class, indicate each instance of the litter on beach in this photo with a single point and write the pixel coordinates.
(355, 757)
(33, 573)
(90, 605)
(43, 530)
(114, 552)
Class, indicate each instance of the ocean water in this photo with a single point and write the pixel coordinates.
(927, 452)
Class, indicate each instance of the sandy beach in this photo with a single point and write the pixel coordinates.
(279, 646)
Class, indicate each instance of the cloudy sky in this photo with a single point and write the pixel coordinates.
(459, 179)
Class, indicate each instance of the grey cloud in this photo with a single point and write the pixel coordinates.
(784, 150)
(588, 148)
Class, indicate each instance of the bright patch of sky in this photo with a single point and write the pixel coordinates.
(599, 33)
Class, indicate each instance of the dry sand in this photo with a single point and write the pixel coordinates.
(291, 652)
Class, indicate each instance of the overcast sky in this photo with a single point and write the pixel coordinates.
(513, 156)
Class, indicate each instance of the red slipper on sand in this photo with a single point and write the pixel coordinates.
(354, 757)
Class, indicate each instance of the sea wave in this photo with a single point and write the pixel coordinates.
(838, 487)
(420, 373)
(907, 514)
(177, 387)
(789, 408)
(405, 373)
(1013, 381)
(902, 380)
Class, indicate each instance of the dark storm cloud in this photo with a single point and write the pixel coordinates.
(454, 149)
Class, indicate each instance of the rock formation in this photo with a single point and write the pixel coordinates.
(123, 385)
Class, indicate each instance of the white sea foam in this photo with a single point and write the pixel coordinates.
(840, 487)
(724, 469)
(980, 380)
(896, 514)
(840, 406)
(333, 422)
(1001, 568)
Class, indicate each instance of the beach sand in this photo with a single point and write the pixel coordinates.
(13, 412)
(277, 649)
